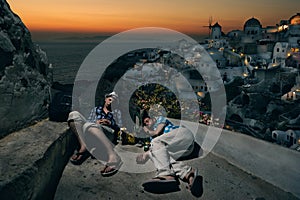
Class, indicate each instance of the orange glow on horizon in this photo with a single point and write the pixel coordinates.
(116, 16)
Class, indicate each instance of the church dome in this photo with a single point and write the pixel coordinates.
(295, 19)
(253, 22)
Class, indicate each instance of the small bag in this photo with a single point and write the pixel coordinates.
(126, 138)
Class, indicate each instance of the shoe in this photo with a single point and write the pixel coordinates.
(196, 187)
(79, 157)
(160, 185)
(111, 168)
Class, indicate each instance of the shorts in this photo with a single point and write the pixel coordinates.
(78, 117)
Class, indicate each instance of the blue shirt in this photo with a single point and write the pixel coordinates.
(98, 113)
(169, 126)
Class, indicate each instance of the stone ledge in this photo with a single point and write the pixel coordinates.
(270, 162)
(273, 163)
(33, 160)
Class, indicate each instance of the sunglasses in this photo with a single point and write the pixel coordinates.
(110, 99)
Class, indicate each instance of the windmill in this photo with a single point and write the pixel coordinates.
(209, 26)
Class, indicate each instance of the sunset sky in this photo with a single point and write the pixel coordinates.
(187, 16)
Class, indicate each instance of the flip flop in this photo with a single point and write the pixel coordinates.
(160, 185)
(83, 156)
(197, 185)
(114, 168)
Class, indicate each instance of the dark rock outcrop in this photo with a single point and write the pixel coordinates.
(25, 74)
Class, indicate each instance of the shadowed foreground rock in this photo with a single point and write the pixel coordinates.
(25, 74)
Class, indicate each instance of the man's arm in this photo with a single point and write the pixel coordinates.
(92, 116)
(154, 133)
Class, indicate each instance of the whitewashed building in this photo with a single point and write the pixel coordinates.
(280, 53)
(287, 138)
(294, 31)
(252, 26)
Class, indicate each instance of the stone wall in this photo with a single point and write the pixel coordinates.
(33, 160)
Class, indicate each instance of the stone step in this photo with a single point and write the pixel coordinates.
(33, 159)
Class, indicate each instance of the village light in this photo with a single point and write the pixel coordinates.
(201, 94)
(283, 27)
(298, 141)
(245, 74)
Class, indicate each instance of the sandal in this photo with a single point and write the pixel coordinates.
(111, 168)
(196, 186)
(79, 157)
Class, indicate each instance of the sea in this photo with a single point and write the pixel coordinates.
(66, 57)
(67, 54)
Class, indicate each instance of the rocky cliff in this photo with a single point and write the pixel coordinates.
(25, 74)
